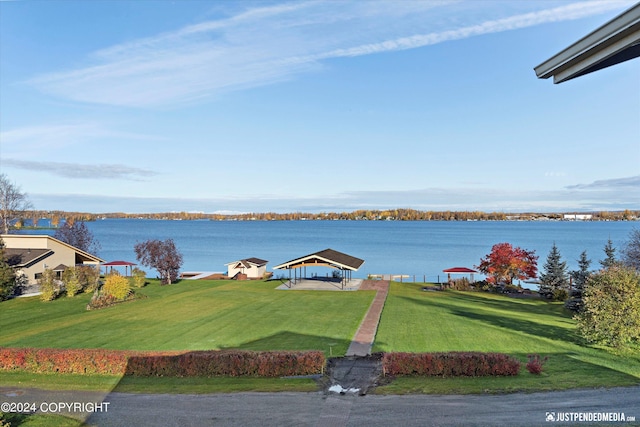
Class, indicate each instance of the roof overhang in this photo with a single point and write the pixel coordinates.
(325, 258)
(616, 41)
(25, 258)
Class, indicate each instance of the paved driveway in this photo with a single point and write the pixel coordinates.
(318, 409)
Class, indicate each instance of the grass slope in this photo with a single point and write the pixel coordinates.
(418, 321)
(191, 315)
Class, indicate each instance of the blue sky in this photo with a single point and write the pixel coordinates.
(156, 106)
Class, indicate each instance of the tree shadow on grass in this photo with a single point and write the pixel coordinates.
(506, 322)
(505, 302)
(571, 371)
(287, 340)
(18, 419)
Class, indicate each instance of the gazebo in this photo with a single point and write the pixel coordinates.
(459, 270)
(125, 264)
(325, 258)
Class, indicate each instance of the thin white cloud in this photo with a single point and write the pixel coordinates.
(436, 199)
(264, 45)
(625, 184)
(562, 13)
(31, 140)
(81, 171)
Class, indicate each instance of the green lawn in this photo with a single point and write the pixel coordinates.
(417, 321)
(191, 315)
(196, 315)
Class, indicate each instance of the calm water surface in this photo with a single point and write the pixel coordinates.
(421, 248)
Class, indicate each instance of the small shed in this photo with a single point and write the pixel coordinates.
(251, 268)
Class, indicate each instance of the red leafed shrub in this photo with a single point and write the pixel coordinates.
(229, 363)
(453, 364)
(534, 365)
(66, 361)
(197, 363)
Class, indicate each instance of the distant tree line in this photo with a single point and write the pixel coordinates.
(57, 218)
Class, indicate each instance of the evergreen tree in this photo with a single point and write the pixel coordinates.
(554, 283)
(7, 275)
(610, 253)
(580, 278)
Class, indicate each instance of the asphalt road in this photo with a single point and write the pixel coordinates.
(319, 409)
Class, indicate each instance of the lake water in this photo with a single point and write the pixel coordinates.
(414, 248)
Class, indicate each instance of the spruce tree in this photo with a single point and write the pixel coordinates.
(7, 275)
(580, 278)
(610, 253)
(554, 283)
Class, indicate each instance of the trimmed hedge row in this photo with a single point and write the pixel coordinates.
(230, 363)
(197, 363)
(452, 364)
(66, 361)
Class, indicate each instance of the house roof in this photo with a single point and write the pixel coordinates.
(614, 42)
(25, 257)
(248, 262)
(82, 255)
(324, 258)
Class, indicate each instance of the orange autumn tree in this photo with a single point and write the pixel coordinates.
(506, 263)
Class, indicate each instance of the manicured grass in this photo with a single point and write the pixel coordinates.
(417, 321)
(192, 315)
(37, 420)
(196, 315)
(128, 384)
(104, 383)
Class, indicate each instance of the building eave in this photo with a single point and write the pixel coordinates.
(614, 42)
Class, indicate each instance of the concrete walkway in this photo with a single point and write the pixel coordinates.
(366, 333)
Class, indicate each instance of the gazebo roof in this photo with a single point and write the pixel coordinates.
(324, 258)
(459, 270)
(118, 263)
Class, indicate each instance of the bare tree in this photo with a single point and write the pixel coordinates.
(631, 250)
(13, 202)
(161, 255)
(76, 234)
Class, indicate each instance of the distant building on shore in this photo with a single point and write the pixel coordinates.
(577, 217)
